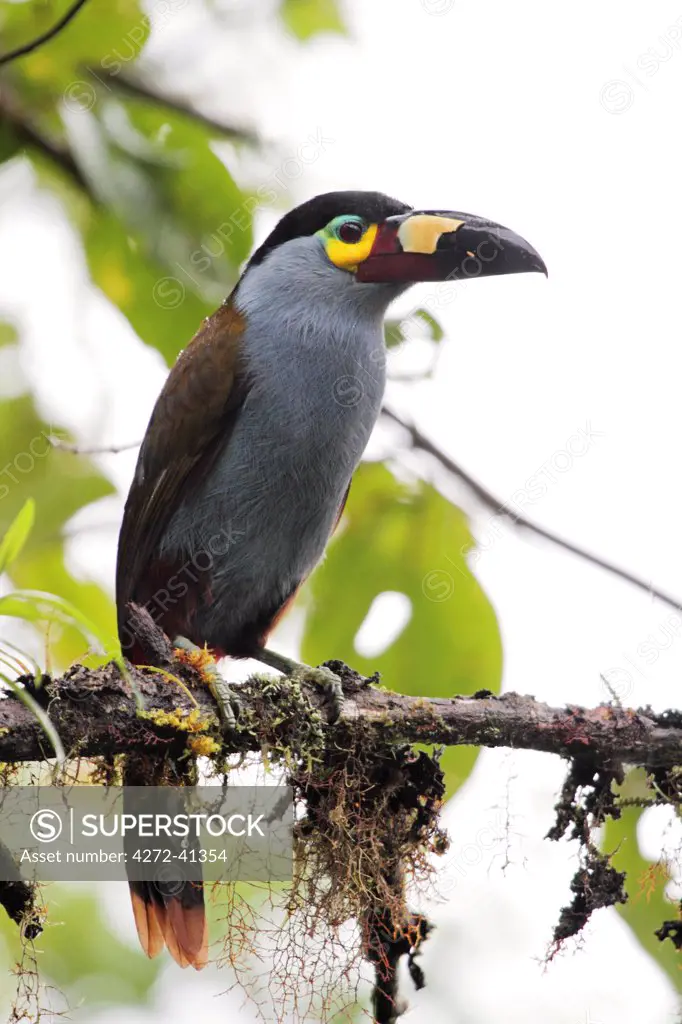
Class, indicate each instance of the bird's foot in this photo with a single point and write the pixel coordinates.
(201, 659)
(328, 682)
(321, 677)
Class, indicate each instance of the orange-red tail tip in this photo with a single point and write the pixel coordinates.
(149, 924)
(184, 930)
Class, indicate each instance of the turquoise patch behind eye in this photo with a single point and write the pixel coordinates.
(332, 229)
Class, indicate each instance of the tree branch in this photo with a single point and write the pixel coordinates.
(499, 508)
(362, 755)
(94, 713)
(44, 37)
(77, 449)
(143, 91)
(486, 497)
(29, 135)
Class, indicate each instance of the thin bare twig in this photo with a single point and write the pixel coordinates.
(421, 441)
(144, 91)
(486, 497)
(77, 449)
(45, 37)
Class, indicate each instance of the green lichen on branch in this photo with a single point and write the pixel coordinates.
(368, 821)
(368, 805)
(288, 729)
(369, 826)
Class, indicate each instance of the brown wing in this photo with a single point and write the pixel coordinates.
(191, 421)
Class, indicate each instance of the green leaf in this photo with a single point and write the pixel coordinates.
(37, 606)
(393, 334)
(44, 570)
(436, 331)
(81, 954)
(175, 228)
(90, 961)
(109, 35)
(157, 172)
(307, 18)
(41, 607)
(9, 144)
(648, 906)
(401, 332)
(8, 334)
(60, 483)
(408, 539)
(197, 189)
(17, 534)
(162, 307)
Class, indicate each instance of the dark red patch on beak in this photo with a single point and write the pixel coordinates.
(479, 248)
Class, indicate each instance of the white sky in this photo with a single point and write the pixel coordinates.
(557, 121)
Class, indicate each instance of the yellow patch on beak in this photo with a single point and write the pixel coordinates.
(421, 233)
(347, 255)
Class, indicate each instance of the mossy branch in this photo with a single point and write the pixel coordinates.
(94, 713)
(371, 802)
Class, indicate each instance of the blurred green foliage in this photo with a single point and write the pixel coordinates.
(164, 228)
(59, 483)
(306, 18)
(648, 906)
(81, 955)
(410, 540)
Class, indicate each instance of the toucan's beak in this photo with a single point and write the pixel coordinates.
(428, 245)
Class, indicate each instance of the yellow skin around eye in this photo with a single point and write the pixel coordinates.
(347, 255)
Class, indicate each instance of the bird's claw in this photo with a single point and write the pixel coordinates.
(223, 694)
(227, 701)
(328, 682)
(321, 677)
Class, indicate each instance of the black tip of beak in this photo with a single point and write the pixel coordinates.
(482, 248)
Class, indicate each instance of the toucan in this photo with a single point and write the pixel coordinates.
(247, 460)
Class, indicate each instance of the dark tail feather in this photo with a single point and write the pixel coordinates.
(168, 911)
(176, 920)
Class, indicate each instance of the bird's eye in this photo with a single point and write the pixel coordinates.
(351, 231)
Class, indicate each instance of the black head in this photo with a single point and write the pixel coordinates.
(315, 214)
(383, 241)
